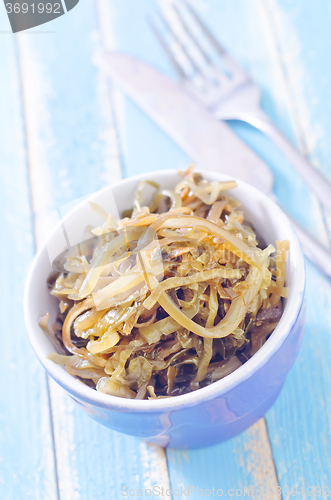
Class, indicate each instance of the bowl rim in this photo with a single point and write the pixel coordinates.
(90, 396)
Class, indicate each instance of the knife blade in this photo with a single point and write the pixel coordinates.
(211, 143)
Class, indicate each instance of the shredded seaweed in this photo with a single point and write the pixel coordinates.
(175, 296)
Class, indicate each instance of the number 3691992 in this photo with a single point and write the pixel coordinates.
(33, 8)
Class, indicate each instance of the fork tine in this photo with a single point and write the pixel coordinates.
(204, 28)
(205, 73)
(228, 60)
(209, 70)
(191, 34)
(180, 43)
(166, 48)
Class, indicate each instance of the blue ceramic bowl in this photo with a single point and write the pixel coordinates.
(211, 414)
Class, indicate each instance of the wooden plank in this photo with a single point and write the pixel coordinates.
(304, 44)
(246, 28)
(97, 463)
(246, 32)
(69, 119)
(242, 466)
(301, 455)
(299, 423)
(145, 147)
(73, 151)
(125, 28)
(27, 468)
(303, 38)
(300, 451)
(253, 43)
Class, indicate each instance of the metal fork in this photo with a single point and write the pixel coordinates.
(228, 94)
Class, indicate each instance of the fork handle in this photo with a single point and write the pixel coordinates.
(313, 178)
(317, 253)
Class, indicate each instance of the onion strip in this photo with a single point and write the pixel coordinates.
(231, 242)
(177, 282)
(233, 317)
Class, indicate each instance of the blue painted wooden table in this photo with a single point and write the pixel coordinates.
(66, 132)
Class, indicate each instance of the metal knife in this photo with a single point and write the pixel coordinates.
(217, 148)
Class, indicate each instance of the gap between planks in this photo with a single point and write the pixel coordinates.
(34, 83)
(297, 104)
(104, 16)
(35, 234)
(259, 461)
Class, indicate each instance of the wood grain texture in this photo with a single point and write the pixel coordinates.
(245, 30)
(301, 416)
(248, 29)
(72, 151)
(26, 449)
(282, 64)
(146, 147)
(97, 463)
(242, 466)
(74, 119)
